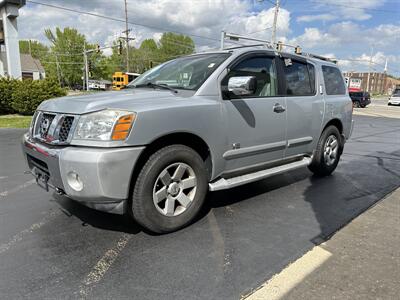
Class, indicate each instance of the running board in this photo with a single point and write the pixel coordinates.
(223, 184)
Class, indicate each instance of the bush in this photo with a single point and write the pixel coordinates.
(7, 87)
(30, 93)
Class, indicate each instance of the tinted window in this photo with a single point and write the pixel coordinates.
(300, 79)
(263, 68)
(333, 79)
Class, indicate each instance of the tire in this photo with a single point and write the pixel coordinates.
(356, 104)
(161, 202)
(324, 164)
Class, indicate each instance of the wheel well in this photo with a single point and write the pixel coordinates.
(181, 138)
(337, 123)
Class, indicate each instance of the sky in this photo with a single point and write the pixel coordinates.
(346, 29)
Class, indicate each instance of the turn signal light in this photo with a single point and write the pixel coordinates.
(122, 127)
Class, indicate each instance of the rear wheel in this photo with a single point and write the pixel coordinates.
(356, 104)
(170, 189)
(327, 154)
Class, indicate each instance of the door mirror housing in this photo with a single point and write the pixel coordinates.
(242, 85)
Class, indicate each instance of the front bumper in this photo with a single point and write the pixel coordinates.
(105, 173)
(394, 101)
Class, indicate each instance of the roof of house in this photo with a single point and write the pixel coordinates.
(30, 64)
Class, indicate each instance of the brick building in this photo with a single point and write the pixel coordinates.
(379, 83)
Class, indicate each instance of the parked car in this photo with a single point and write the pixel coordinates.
(395, 98)
(204, 122)
(360, 99)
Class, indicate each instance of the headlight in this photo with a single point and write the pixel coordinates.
(105, 125)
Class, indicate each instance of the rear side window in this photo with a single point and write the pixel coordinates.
(300, 79)
(334, 84)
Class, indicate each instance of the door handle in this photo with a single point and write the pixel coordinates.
(279, 108)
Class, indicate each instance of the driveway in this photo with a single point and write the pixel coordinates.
(52, 247)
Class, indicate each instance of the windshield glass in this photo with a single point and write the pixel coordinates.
(186, 73)
(396, 93)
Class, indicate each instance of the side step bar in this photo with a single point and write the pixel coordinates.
(222, 184)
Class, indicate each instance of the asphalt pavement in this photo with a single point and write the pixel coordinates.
(52, 247)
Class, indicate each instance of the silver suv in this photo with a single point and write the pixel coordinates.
(209, 121)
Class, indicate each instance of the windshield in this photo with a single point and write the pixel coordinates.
(186, 73)
(396, 93)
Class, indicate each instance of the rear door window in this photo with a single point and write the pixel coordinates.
(300, 79)
(334, 84)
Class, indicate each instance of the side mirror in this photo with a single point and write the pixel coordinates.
(242, 85)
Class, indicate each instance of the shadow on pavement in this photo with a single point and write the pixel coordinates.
(95, 218)
(351, 191)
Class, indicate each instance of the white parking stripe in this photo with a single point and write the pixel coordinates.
(20, 187)
(102, 266)
(279, 285)
(19, 236)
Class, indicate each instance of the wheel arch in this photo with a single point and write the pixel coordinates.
(339, 125)
(335, 122)
(176, 138)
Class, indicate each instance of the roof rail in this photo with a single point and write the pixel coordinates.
(320, 57)
(245, 46)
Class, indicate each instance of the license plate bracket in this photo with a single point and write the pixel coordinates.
(42, 178)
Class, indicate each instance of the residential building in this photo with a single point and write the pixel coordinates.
(31, 68)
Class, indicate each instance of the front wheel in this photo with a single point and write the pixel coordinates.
(327, 154)
(170, 189)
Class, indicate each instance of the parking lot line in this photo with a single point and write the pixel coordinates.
(102, 266)
(20, 187)
(280, 284)
(19, 236)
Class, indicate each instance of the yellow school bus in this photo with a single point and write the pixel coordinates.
(121, 79)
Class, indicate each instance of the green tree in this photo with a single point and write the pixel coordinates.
(35, 48)
(173, 45)
(67, 54)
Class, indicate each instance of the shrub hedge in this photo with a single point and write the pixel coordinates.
(24, 96)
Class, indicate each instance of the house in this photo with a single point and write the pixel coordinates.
(31, 68)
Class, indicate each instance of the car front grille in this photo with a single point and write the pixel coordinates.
(53, 128)
(65, 128)
(44, 126)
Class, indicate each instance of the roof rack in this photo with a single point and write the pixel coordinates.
(275, 46)
(237, 37)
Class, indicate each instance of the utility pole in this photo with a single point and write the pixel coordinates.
(85, 58)
(30, 49)
(369, 68)
(58, 70)
(273, 37)
(222, 40)
(127, 36)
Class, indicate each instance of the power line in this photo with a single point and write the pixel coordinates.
(120, 20)
(355, 7)
(267, 28)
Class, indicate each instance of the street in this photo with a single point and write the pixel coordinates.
(52, 247)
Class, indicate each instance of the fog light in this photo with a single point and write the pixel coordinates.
(74, 181)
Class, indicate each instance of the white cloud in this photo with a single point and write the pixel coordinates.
(313, 18)
(197, 17)
(351, 9)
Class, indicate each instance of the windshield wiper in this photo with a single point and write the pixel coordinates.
(156, 85)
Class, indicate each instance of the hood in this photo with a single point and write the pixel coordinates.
(128, 99)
